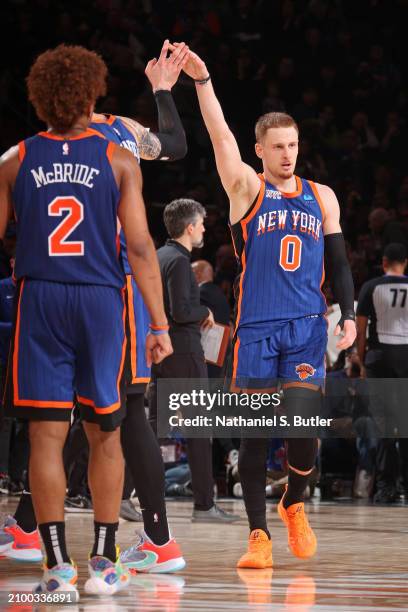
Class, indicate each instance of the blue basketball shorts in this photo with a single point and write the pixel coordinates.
(293, 353)
(68, 345)
(137, 328)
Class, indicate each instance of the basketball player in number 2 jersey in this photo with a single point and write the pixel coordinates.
(68, 186)
(281, 227)
(139, 443)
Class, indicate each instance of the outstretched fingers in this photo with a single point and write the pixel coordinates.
(163, 52)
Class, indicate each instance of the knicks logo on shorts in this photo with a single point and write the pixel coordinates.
(304, 370)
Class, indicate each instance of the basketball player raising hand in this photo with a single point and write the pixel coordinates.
(282, 226)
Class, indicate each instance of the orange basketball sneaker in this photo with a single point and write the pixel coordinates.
(301, 538)
(259, 554)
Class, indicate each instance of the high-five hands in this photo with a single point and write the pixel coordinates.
(164, 72)
(194, 66)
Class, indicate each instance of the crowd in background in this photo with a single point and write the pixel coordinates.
(338, 66)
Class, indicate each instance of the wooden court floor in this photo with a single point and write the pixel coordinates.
(361, 565)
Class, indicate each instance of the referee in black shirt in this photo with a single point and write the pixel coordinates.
(383, 305)
(184, 221)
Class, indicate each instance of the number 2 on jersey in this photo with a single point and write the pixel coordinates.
(58, 245)
(290, 253)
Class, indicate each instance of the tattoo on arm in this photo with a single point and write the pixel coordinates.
(148, 143)
(149, 146)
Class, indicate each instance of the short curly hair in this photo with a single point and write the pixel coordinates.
(64, 82)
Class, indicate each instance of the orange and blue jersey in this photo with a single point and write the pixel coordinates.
(280, 329)
(115, 130)
(66, 202)
(279, 245)
(69, 333)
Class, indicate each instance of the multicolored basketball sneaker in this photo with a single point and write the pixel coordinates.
(145, 556)
(301, 538)
(105, 576)
(60, 578)
(17, 544)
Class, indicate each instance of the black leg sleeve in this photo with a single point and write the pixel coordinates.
(301, 452)
(252, 470)
(144, 460)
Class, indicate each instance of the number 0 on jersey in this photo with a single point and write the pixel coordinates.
(290, 253)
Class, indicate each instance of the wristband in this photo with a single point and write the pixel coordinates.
(202, 81)
(159, 327)
(158, 332)
(349, 315)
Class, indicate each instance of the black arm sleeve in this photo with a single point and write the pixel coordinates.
(341, 280)
(171, 132)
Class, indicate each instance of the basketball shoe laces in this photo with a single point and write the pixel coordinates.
(256, 544)
(300, 522)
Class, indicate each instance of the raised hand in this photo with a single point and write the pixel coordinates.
(194, 67)
(164, 72)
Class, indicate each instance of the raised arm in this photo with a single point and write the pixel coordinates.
(239, 180)
(338, 267)
(140, 248)
(169, 143)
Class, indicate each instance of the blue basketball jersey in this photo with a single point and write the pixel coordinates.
(280, 246)
(66, 201)
(114, 129)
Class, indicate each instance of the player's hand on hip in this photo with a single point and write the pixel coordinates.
(157, 348)
(349, 334)
(164, 72)
(194, 66)
(209, 321)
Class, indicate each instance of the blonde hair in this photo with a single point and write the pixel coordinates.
(273, 120)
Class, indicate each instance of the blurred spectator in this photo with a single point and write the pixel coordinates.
(384, 231)
(353, 430)
(213, 298)
(272, 102)
(226, 270)
(365, 133)
(308, 107)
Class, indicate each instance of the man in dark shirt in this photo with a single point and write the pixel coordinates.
(184, 221)
(383, 305)
(213, 298)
